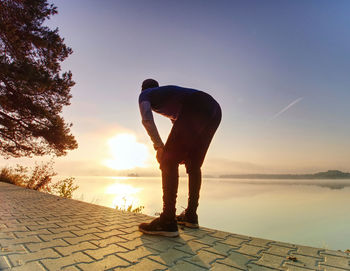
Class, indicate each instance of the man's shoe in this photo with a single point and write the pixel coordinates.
(159, 227)
(190, 221)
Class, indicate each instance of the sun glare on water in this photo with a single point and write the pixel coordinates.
(124, 195)
(126, 152)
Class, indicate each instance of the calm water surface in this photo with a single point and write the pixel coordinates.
(308, 212)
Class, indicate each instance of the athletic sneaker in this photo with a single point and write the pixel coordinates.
(190, 221)
(159, 227)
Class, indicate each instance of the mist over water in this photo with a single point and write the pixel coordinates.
(307, 212)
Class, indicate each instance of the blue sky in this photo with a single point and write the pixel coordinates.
(279, 69)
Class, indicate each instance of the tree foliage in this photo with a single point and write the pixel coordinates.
(33, 90)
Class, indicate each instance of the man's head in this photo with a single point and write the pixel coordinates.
(149, 83)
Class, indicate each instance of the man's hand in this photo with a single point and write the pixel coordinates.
(159, 154)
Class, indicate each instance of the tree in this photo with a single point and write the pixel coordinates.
(33, 90)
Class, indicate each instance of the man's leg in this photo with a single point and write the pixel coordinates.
(194, 186)
(170, 182)
(166, 224)
(193, 167)
(189, 217)
(174, 151)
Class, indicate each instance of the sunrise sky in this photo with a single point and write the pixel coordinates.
(279, 69)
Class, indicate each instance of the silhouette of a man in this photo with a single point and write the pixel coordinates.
(195, 116)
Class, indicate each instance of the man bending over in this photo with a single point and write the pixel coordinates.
(195, 116)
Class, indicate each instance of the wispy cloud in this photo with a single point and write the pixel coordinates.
(287, 107)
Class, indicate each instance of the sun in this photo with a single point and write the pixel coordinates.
(126, 152)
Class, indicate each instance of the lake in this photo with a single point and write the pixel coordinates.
(307, 212)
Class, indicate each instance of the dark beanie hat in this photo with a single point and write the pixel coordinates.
(149, 83)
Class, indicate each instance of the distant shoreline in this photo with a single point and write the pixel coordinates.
(330, 174)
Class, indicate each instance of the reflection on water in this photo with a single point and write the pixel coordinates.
(309, 212)
(125, 195)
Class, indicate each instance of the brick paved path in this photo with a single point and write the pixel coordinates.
(39, 231)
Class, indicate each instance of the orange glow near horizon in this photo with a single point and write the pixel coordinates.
(126, 152)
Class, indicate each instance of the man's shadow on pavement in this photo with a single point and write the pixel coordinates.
(176, 253)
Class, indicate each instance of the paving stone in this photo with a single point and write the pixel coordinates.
(68, 250)
(71, 268)
(128, 224)
(279, 250)
(338, 253)
(204, 258)
(220, 234)
(130, 245)
(336, 261)
(14, 229)
(309, 251)
(20, 259)
(207, 240)
(135, 255)
(109, 233)
(163, 245)
(19, 241)
(222, 267)
(237, 260)
(197, 233)
(249, 250)
(219, 248)
(93, 225)
(186, 237)
(105, 227)
(260, 242)
(31, 266)
(208, 230)
(111, 222)
(170, 257)
(99, 253)
(132, 235)
(108, 262)
(233, 241)
(49, 244)
(291, 267)
(52, 236)
(191, 247)
(270, 261)
(146, 239)
(132, 229)
(331, 268)
(4, 263)
(76, 240)
(247, 238)
(60, 263)
(186, 266)
(64, 229)
(7, 235)
(13, 249)
(22, 234)
(107, 241)
(282, 244)
(86, 231)
(69, 224)
(306, 261)
(40, 227)
(144, 264)
(256, 267)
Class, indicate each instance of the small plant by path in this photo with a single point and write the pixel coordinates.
(65, 188)
(129, 208)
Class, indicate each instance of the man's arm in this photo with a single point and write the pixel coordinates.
(150, 126)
